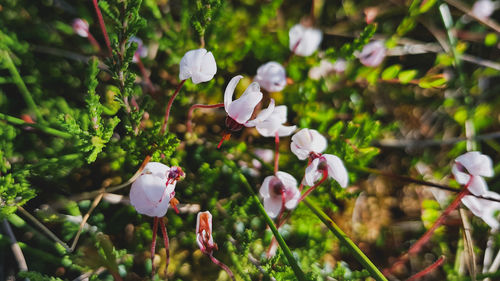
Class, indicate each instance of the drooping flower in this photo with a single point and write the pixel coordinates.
(204, 233)
(473, 166)
(271, 76)
(270, 125)
(329, 164)
(483, 8)
(141, 52)
(81, 27)
(240, 110)
(199, 65)
(304, 41)
(154, 188)
(307, 141)
(373, 53)
(485, 209)
(277, 189)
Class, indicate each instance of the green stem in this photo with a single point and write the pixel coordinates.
(45, 129)
(288, 254)
(344, 239)
(20, 84)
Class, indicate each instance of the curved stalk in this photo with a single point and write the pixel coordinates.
(169, 106)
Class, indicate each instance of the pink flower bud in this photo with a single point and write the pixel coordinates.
(304, 41)
(373, 54)
(204, 233)
(81, 27)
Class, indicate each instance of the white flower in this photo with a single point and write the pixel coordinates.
(307, 141)
(271, 76)
(326, 67)
(274, 188)
(204, 232)
(326, 163)
(150, 195)
(241, 110)
(373, 53)
(485, 209)
(304, 41)
(199, 65)
(270, 125)
(81, 27)
(483, 8)
(476, 165)
(141, 51)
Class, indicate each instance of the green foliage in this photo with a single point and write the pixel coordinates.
(205, 11)
(36, 276)
(15, 190)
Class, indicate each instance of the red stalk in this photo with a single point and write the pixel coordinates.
(225, 137)
(192, 108)
(276, 152)
(222, 265)
(165, 241)
(169, 106)
(153, 246)
(93, 41)
(103, 27)
(427, 270)
(325, 176)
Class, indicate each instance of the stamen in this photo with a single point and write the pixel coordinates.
(225, 137)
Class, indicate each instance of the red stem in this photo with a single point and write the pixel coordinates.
(276, 152)
(144, 73)
(282, 207)
(153, 246)
(169, 106)
(222, 265)
(225, 137)
(165, 241)
(192, 108)
(93, 41)
(292, 54)
(325, 176)
(103, 27)
(415, 248)
(427, 270)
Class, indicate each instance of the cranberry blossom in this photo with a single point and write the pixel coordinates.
(269, 122)
(271, 76)
(304, 41)
(204, 233)
(307, 141)
(278, 190)
(470, 168)
(154, 188)
(373, 53)
(485, 209)
(199, 65)
(81, 27)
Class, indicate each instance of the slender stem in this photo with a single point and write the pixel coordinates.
(415, 248)
(93, 41)
(169, 106)
(14, 246)
(21, 85)
(192, 108)
(427, 270)
(291, 54)
(103, 26)
(345, 240)
(45, 129)
(167, 244)
(288, 254)
(283, 201)
(276, 152)
(325, 176)
(144, 73)
(153, 246)
(43, 228)
(85, 218)
(221, 265)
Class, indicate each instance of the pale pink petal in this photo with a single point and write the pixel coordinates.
(288, 180)
(228, 94)
(241, 109)
(483, 8)
(280, 113)
(306, 141)
(318, 143)
(476, 163)
(478, 186)
(304, 40)
(312, 174)
(293, 199)
(271, 76)
(156, 169)
(268, 128)
(263, 115)
(460, 177)
(272, 206)
(264, 188)
(373, 54)
(473, 204)
(336, 169)
(190, 63)
(285, 131)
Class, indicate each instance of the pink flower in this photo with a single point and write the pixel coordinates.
(81, 27)
(476, 165)
(483, 8)
(306, 142)
(154, 188)
(204, 233)
(270, 125)
(329, 164)
(485, 209)
(240, 110)
(373, 54)
(141, 51)
(275, 189)
(199, 65)
(304, 41)
(271, 76)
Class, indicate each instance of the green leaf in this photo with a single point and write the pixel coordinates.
(406, 76)
(391, 72)
(432, 81)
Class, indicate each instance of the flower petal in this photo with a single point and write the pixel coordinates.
(336, 169)
(272, 206)
(242, 109)
(228, 94)
(285, 131)
(264, 188)
(476, 163)
(263, 115)
(478, 186)
(312, 174)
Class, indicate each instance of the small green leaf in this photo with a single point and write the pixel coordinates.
(391, 72)
(432, 81)
(490, 39)
(406, 76)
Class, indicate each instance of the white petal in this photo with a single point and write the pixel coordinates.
(288, 180)
(476, 163)
(308, 40)
(157, 169)
(271, 76)
(293, 200)
(473, 204)
(285, 131)
(241, 109)
(208, 64)
(318, 143)
(272, 206)
(483, 8)
(312, 174)
(373, 53)
(190, 63)
(306, 141)
(268, 128)
(264, 188)
(228, 94)
(478, 186)
(336, 169)
(280, 113)
(263, 115)
(460, 177)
